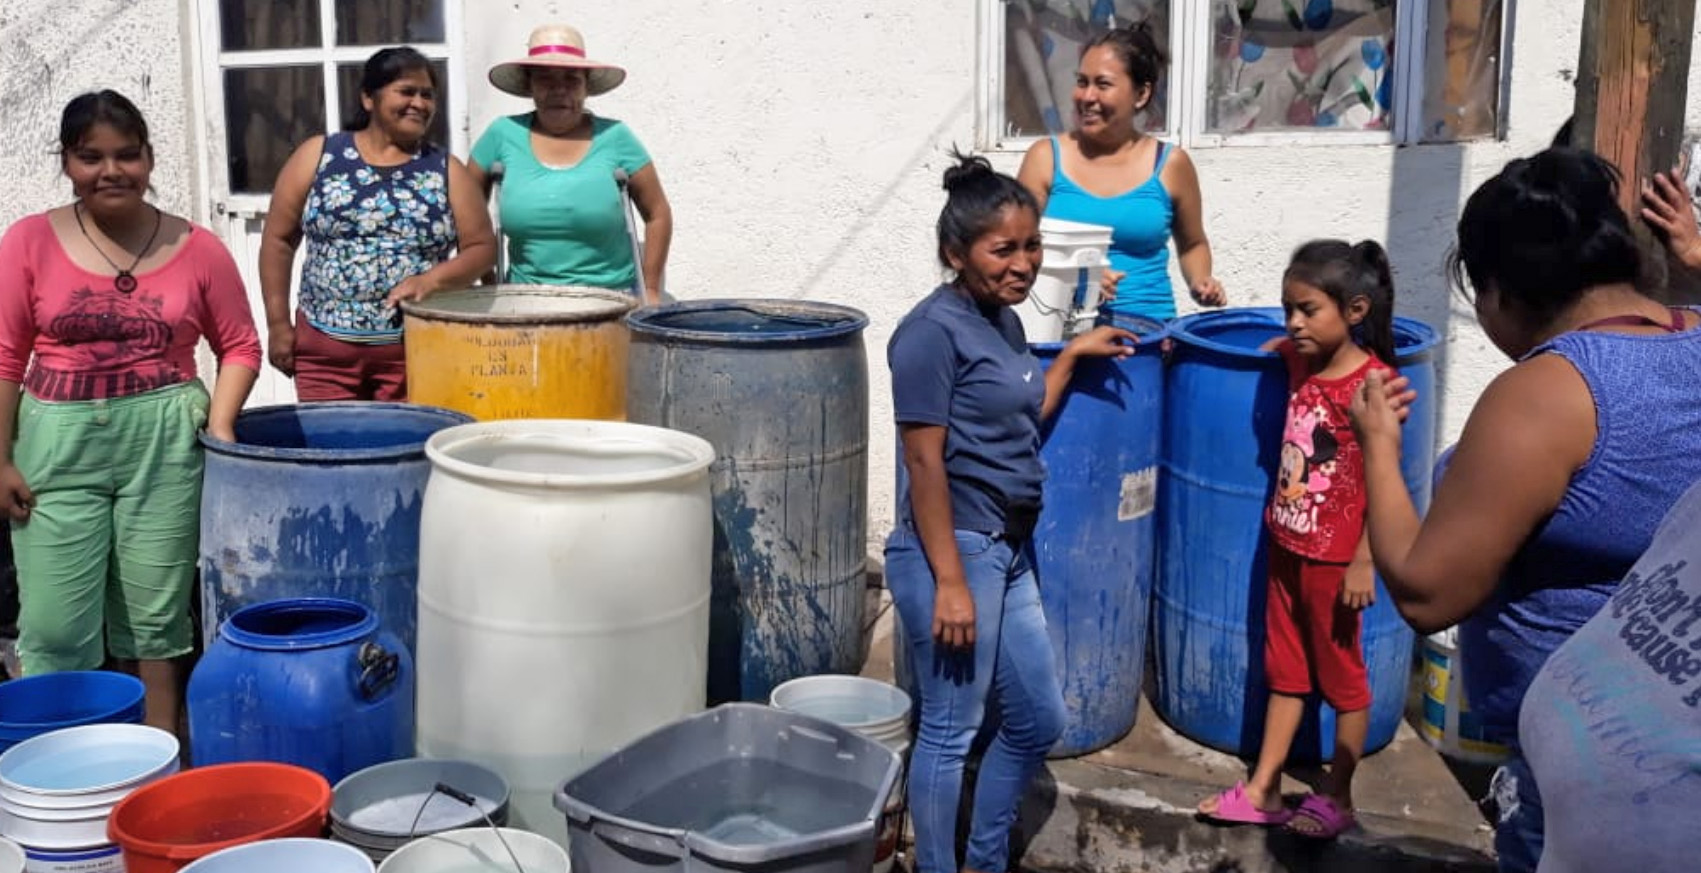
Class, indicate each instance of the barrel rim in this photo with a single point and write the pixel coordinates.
(473, 838)
(42, 681)
(364, 624)
(1146, 339)
(701, 453)
(1181, 330)
(620, 302)
(400, 451)
(643, 321)
(284, 844)
(169, 748)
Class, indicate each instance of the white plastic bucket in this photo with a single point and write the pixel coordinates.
(563, 597)
(58, 789)
(295, 855)
(1064, 297)
(106, 858)
(876, 710)
(87, 766)
(477, 850)
(1059, 235)
(11, 857)
(1448, 723)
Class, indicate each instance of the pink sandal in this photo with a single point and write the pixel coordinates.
(1325, 815)
(1234, 807)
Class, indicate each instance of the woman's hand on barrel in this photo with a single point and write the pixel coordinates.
(1378, 408)
(1108, 280)
(412, 288)
(953, 614)
(1104, 341)
(222, 430)
(280, 347)
(15, 493)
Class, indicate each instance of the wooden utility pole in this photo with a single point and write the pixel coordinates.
(1632, 84)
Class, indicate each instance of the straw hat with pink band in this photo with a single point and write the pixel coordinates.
(556, 45)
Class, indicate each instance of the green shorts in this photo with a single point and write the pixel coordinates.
(111, 544)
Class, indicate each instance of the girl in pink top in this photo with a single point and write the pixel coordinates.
(102, 302)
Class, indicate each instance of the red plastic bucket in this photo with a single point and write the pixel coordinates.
(167, 824)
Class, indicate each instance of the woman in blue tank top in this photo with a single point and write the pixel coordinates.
(1568, 462)
(1107, 172)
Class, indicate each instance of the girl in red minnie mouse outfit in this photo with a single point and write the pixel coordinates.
(1339, 304)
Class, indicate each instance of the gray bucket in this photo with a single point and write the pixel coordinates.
(375, 810)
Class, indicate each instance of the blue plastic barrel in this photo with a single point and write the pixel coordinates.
(780, 389)
(1225, 405)
(1095, 549)
(309, 681)
(40, 704)
(317, 500)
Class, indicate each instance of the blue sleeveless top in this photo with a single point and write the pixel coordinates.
(1647, 453)
(368, 228)
(1140, 222)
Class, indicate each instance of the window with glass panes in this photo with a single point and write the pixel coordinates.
(291, 69)
(1259, 70)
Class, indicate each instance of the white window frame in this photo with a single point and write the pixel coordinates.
(1190, 70)
(210, 104)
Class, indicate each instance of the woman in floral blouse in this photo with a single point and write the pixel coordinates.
(388, 217)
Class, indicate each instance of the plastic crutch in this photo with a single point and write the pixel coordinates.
(495, 174)
(622, 182)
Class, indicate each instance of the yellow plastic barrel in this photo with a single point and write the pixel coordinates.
(520, 351)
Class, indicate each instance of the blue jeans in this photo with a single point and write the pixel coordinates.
(1518, 833)
(1011, 666)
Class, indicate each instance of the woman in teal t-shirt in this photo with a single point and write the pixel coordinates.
(560, 207)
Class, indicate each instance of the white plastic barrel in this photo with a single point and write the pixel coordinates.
(563, 597)
(1448, 723)
(877, 710)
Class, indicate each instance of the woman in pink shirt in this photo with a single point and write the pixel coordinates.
(102, 302)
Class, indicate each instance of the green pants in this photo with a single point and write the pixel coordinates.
(111, 544)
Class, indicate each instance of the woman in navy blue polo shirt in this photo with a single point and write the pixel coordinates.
(969, 399)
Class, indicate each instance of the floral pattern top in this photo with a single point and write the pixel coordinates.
(367, 229)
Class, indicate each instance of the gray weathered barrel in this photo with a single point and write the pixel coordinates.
(780, 388)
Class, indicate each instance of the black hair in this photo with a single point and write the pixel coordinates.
(1345, 271)
(977, 194)
(1324, 446)
(1562, 138)
(1543, 231)
(1137, 47)
(101, 107)
(386, 66)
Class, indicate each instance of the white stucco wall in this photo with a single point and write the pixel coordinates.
(801, 146)
(53, 50)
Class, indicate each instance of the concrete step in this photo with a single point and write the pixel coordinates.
(1130, 807)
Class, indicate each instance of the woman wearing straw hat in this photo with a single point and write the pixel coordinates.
(561, 206)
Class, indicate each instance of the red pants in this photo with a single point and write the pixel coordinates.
(327, 368)
(1311, 639)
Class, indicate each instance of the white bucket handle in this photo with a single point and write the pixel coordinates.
(1089, 257)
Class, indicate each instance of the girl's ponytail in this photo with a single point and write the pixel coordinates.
(1377, 282)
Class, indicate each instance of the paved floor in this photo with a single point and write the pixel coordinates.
(1129, 807)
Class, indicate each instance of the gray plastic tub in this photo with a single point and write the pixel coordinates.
(741, 787)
